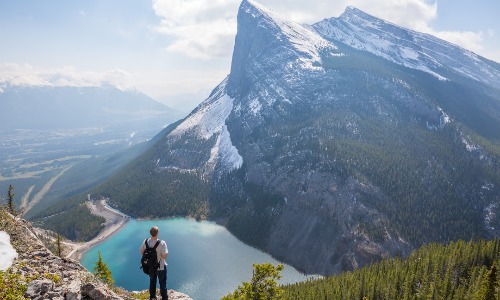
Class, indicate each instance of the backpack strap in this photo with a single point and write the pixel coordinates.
(146, 242)
(157, 243)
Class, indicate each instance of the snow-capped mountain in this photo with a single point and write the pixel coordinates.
(408, 48)
(326, 155)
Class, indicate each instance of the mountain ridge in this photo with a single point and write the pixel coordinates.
(407, 47)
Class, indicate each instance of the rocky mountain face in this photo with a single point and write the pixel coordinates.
(47, 276)
(333, 145)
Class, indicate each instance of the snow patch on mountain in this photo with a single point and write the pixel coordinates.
(489, 216)
(470, 146)
(444, 118)
(209, 118)
(255, 106)
(225, 153)
(304, 40)
(373, 43)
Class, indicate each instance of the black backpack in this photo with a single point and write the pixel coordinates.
(149, 260)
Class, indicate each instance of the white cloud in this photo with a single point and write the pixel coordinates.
(205, 29)
(200, 28)
(467, 39)
(25, 74)
(413, 14)
(7, 252)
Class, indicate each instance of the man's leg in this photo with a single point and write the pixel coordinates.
(162, 278)
(152, 286)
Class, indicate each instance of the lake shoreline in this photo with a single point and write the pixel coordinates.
(115, 222)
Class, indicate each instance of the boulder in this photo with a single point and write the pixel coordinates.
(38, 287)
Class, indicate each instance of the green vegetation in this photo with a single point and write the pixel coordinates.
(262, 286)
(11, 286)
(10, 200)
(52, 277)
(252, 209)
(141, 193)
(58, 245)
(77, 223)
(414, 168)
(102, 271)
(460, 270)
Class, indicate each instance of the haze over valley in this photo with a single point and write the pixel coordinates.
(46, 131)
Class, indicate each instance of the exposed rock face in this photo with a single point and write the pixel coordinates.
(50, 277)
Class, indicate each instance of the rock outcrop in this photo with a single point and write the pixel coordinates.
(48, 276)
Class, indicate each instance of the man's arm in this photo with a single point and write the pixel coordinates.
(143, 247)
(165, 254)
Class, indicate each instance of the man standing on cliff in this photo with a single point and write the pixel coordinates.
(161, 273)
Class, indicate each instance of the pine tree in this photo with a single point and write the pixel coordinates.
(487, 291)
(102, 271)
(10, 199)
(58, 244)
(263, 285)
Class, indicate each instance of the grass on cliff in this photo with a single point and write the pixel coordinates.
(10, 286)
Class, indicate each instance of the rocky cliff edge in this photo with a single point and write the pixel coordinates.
(44, 275)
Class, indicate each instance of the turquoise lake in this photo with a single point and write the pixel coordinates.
(205, 261)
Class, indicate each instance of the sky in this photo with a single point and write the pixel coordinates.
(176, 51)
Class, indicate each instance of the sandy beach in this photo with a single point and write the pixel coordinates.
(115, 221)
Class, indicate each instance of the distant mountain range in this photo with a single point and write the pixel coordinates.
(332, 145)
(47, 107)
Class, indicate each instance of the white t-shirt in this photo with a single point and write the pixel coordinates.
(161, 250)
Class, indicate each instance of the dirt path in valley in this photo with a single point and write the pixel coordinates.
(26, 197)
(44, 190)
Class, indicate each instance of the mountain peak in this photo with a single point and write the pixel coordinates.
(356, 16)
(262, 30)
(351, 10)
(297, 34)
(250, 4)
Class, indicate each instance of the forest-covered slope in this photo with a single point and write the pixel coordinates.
(460, 270)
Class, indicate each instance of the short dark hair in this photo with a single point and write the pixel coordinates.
(154, 231)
